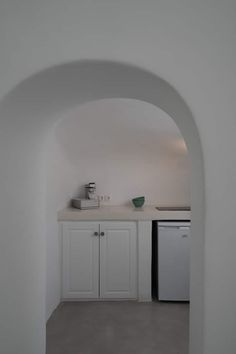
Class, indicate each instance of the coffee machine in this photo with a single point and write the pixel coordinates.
(91, 201)
(91, 191)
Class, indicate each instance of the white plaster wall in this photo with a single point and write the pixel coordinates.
(129, 148)
(189, 43)
(22, 225)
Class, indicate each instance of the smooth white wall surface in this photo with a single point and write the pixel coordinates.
(22, 224)
(189, 43)
(129, 148)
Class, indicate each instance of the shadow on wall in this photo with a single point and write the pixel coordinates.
(62, 87)
(27, 115)
(127, 146)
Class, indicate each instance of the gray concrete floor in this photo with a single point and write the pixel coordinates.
(118, 328)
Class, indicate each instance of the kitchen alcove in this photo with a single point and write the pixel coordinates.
(129, 147)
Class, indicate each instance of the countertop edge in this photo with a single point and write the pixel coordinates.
(120, 213)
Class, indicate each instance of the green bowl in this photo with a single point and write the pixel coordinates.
(138, 202)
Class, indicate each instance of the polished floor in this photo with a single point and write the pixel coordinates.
(118, 328)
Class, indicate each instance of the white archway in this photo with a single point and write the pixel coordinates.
(27, 113)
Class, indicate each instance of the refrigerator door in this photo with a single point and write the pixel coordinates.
(173, 261)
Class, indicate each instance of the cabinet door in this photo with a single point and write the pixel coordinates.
(118, 260)
(80, 260)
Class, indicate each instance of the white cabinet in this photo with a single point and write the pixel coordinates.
(99, 260)
(80, 256)
(118, 256)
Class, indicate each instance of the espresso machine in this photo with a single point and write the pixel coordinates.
(91, 201)
(91, 191)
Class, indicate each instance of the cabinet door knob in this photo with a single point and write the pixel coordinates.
(95, 233)
(102, 233)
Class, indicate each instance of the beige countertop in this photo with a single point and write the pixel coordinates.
(148, 212)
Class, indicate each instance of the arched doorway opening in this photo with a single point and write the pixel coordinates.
(27, 113)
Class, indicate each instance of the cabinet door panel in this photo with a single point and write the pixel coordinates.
(80, 260)
(118, 260)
